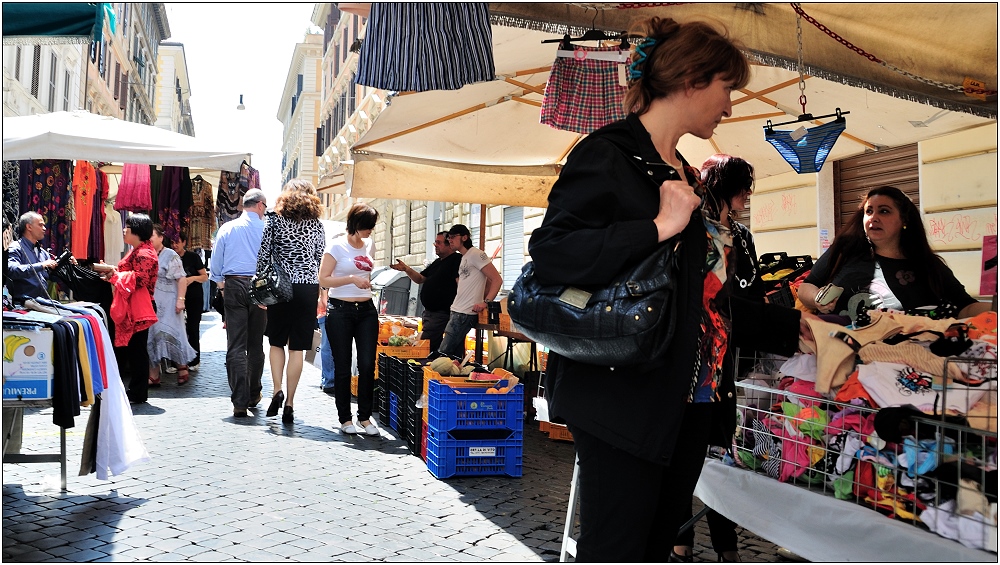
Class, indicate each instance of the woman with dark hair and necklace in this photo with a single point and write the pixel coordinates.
(729, 181)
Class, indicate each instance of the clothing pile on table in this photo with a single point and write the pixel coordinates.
(899, 416)
(86, 374)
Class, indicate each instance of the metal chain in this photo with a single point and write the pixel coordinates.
(952, 87)
(801, 66)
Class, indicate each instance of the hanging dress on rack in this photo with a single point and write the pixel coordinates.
(45, 189)
(84, 189)
(202, 223)
(11, 172)
(169, 204)
(229, 200)
(134, 189)
(412, 46)
(95, 245)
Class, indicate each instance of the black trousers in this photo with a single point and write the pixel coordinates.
(631, 508)
(194, 306)
(722, 530)
(357, 323)
(245, 323)
(136, 356)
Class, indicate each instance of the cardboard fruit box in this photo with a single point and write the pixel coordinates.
(27, 364)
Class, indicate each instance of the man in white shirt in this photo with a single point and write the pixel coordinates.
(478, 283)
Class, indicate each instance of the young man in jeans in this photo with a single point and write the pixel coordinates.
(478, 283)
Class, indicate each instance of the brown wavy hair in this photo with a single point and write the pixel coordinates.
(688, 54)
(298, 201)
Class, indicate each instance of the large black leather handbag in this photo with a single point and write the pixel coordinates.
(270, 285)
(628, 322)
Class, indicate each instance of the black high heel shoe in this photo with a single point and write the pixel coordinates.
(276, 401)
(286, 416)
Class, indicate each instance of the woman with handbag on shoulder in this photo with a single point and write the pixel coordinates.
(351, 316)
(293, 241)
(641, 432)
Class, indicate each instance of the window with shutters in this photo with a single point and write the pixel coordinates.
(36, 61)
(123, 97)
(17, 63)
(319, 142)
(118, 81)
(53, 64)
(66, 91)
(474, 211)
(513, 244)
(101, 66)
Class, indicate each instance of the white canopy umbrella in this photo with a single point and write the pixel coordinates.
(91, 137)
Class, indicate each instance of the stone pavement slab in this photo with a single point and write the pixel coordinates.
(218, 488)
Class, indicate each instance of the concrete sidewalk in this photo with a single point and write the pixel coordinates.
(251, 489)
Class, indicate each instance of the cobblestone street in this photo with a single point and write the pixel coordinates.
(224, 489)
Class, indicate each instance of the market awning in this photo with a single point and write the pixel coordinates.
(90, 137)
(54, 22)
(484, 143)
(919, 51)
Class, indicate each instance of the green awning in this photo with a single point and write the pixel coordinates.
(52, 23)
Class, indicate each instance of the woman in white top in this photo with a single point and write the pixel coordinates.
(351, 316)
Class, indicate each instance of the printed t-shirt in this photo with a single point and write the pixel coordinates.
(471, 281)
(351, 261)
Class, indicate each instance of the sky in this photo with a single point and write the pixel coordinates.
(234, 49)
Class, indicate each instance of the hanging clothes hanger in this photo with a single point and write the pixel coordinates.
(593, 34)
(197, 178)
(805, 118)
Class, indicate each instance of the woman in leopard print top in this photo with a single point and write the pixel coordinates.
(294, 239)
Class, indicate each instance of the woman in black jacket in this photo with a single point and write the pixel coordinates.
(641, 433)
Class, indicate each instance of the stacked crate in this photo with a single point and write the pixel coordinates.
(471, 432)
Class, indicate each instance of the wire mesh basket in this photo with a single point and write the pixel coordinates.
(937, 471)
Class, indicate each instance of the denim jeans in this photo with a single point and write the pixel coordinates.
(326, 355)
(454, 335)
(356, 322)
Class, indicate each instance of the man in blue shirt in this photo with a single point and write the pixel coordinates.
(28, 265)
(234, 261)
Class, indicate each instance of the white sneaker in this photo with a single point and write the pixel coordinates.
(171, 369)
(193, 367)
(350, 428)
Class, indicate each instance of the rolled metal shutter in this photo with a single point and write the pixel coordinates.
(855, 176)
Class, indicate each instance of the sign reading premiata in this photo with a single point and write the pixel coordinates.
(27, 364)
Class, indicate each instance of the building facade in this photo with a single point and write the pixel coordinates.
(298, 112)
(173, 90)
(113, 77)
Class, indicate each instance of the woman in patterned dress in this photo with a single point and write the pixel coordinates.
(168, 336)
(293, 239)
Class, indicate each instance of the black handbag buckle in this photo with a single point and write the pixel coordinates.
(633, 288)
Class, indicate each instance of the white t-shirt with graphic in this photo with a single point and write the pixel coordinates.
(351, 261)
(471, 281)
(895, 384)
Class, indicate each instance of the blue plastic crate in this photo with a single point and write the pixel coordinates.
(473, 409)
(394, 411)
(474, 458)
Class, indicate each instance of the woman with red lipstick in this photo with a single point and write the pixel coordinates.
(882, 260)
(351, 316)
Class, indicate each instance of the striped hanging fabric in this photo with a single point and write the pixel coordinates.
(426, 46)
